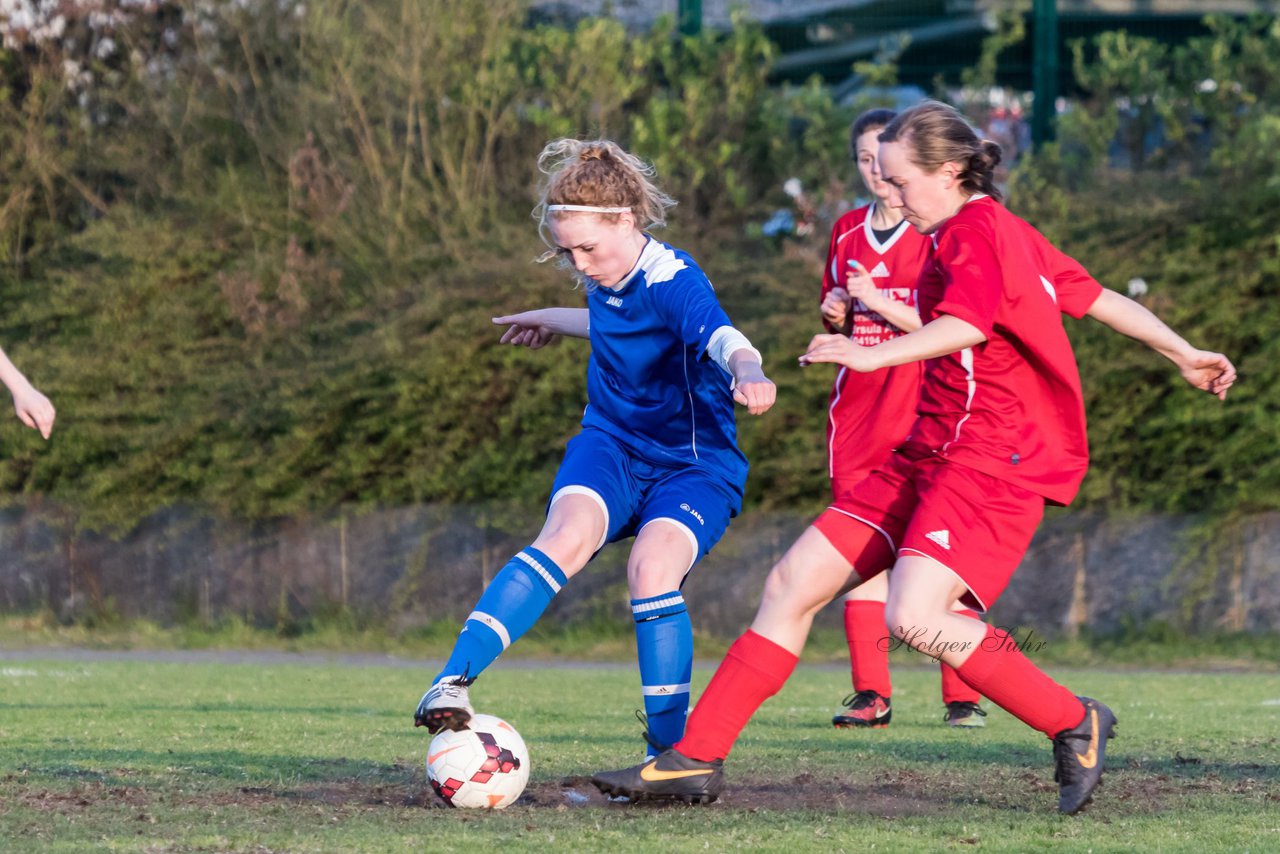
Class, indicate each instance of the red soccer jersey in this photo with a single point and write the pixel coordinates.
(870, 414)
(1012, 406)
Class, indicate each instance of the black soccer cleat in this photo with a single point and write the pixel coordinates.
(669, 776)
(965, 715)
(446, 705)
(1078, 755)
(864, 709)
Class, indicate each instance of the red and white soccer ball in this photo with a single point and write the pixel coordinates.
(484, 766)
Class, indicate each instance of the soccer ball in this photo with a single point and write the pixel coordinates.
(485, 765)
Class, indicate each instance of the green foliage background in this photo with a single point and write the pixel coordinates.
(254, 259)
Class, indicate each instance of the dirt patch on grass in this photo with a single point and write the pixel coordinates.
(78, 799)
(888, 799)
(900, 796)
(905, 793)
(889, 794)
(1153, 787)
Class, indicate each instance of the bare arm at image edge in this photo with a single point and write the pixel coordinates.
(32, 407)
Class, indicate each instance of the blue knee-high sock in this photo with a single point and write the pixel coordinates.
(664, 642)
(508, 608)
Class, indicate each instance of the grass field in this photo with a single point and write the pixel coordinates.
(278, 755)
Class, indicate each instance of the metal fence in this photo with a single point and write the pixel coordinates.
(406, 568)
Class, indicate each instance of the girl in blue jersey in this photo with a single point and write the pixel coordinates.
(657, 457)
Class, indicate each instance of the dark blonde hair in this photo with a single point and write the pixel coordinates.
(598, 173)
(935, 133)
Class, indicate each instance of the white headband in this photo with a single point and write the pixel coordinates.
(587, 209)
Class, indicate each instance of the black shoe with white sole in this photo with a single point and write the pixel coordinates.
(446, 705)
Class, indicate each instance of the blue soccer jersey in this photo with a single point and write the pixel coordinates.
(650, 382)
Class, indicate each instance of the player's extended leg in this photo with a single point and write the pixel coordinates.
(511, 604)
(864, 628)
(921, 594)
(810, 574)
(663, 553)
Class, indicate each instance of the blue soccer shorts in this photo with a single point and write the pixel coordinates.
(633, 492)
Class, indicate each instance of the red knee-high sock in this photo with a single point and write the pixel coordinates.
(1001, 673)
(954, 689)
(752, 671)
(868, 648)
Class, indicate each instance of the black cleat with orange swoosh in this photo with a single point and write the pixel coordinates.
(668, 776)
(1078, 754)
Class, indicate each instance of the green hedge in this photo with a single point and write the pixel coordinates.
(253, 261)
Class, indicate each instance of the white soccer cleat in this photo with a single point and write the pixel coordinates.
(446, 705)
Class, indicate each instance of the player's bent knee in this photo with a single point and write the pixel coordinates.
(664, 552)
(653, 575)
(569, 547)
(573, 530)
(905, 619)
(789, 589)
(776, 584)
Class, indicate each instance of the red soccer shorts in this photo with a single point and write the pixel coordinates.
(975, 525)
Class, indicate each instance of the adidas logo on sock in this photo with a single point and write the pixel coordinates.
(942, 538)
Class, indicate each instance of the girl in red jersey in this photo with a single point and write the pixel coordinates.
(869, 294)
(1001, 430)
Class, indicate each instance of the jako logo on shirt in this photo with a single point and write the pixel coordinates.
(942, 538)
(616, 302)
(694, 513)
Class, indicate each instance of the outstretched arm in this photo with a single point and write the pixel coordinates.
(1211, 372)
(939, 337)
(538, 328)
(33, 408)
